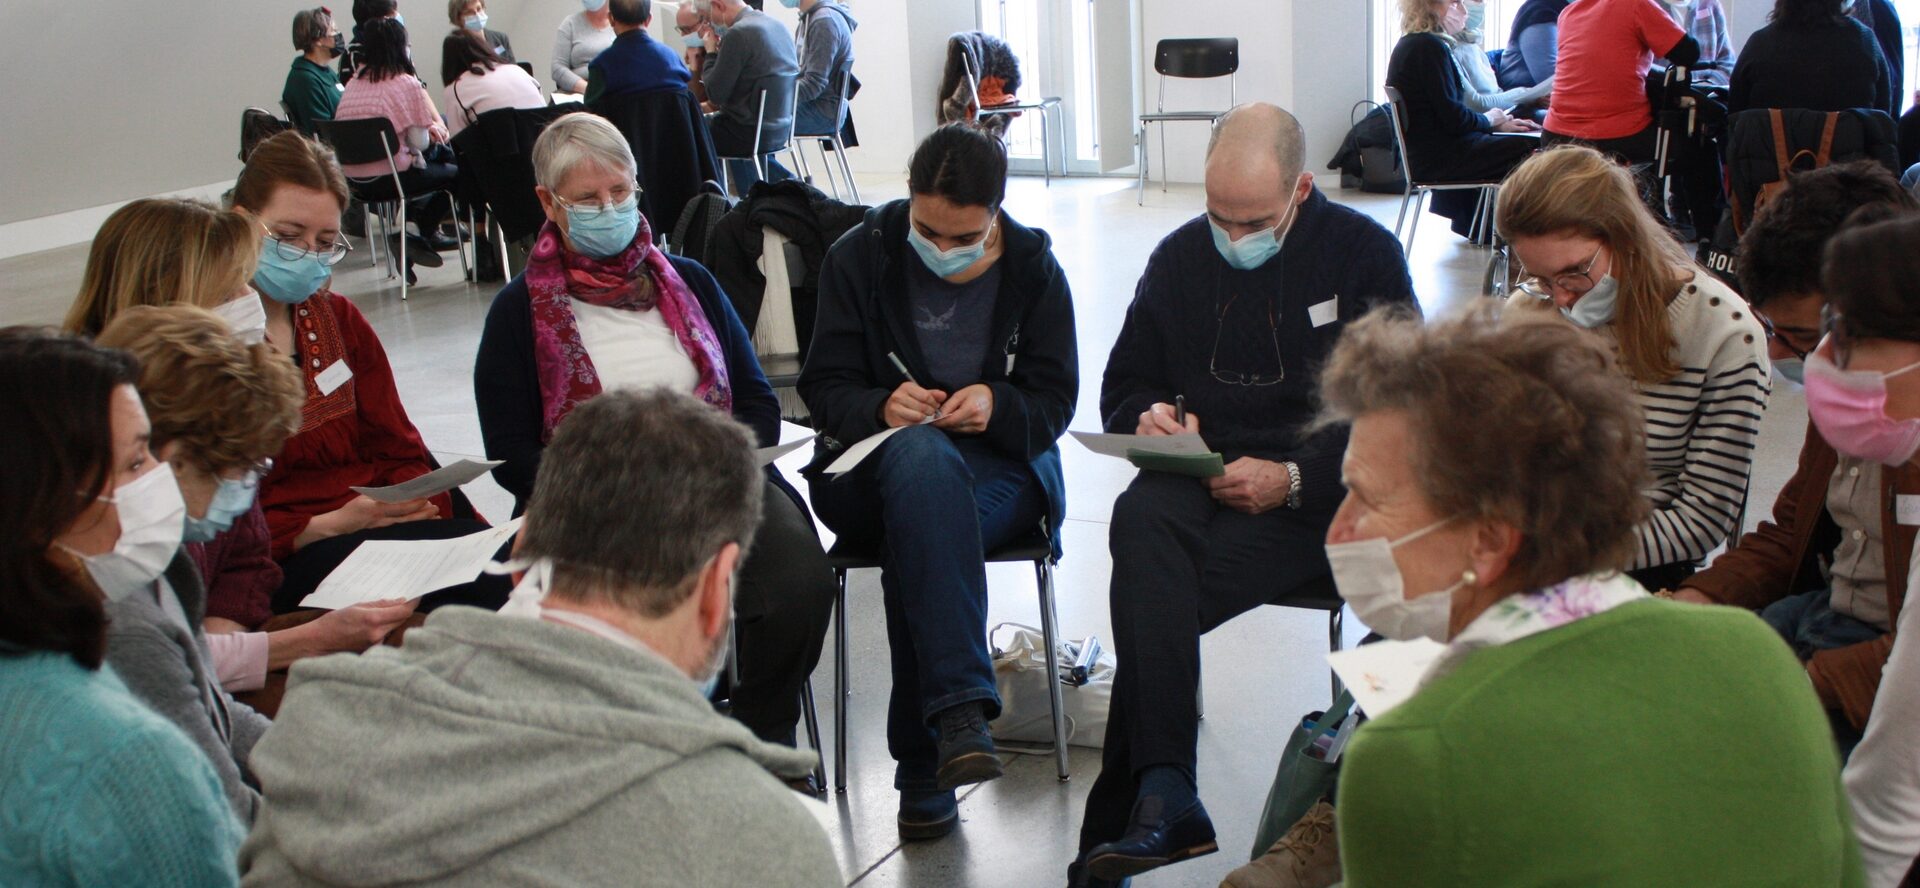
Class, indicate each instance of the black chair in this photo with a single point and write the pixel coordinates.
(373, 140)
(1317, 595)
(497, 151)
(1416, 191)
(1199, 58)
(808, 710)
(672, 149)
(1036, 547)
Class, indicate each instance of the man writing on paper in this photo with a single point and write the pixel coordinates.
(1235, 313)
(568, 738)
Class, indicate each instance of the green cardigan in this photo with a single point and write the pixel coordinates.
(1654, 744)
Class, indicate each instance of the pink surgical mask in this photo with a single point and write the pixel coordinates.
(1849, 407)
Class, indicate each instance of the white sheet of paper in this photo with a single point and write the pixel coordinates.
(433, 483)
(1117, 446)
(408, 569)
(766, 455)
(1384, 674)
(1906, 508)
(860, 451)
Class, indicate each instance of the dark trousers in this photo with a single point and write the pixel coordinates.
(1182, 565)
(935, 504)
(1476, 158)
(305, 568)
(783, 603)
(1637, 148)
(1809, 624)
(427, 187)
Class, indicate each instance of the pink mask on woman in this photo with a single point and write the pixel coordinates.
(1849, 407)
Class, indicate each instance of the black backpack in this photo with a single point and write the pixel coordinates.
(694, 229)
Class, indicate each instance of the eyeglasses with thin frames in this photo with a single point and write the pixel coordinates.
(328, 254)
(615, 198)
(1766, 324)
(1251, 379)
(1577, 281)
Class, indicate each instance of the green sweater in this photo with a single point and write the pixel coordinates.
(311, 94)
(1655, 744)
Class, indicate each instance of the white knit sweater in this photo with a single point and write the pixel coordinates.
(1701, 424)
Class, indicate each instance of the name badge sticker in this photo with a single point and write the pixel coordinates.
(1906, 509)
(1325, 313)
(332, 378)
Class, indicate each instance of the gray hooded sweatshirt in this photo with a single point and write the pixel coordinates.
(497, 750)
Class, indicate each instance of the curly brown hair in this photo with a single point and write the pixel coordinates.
(1522, 420)
(228, 404)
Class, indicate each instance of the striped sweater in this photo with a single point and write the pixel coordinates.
(1701, 424)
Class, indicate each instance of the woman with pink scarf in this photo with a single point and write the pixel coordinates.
(600, 307)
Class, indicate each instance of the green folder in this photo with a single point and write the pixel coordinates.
(1192, 465)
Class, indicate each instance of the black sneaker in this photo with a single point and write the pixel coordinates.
(927, 815)
(966, 747)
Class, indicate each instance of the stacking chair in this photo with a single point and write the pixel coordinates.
(1416, 192)
(672, 149)
(497, 151)
(1317, 595)
(1044, 107)
(1201, 58)
(831, 140)
(1036, 547)
(372, 140)
(808, 711)
(762, 145)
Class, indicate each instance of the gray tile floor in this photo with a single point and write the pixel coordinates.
(1263, 669)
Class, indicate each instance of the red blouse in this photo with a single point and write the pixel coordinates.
(239, 572)
(355, 435)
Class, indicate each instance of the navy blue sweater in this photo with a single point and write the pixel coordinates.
(1167, 346)
(635, 62)
(506, 384)
(1033, 367)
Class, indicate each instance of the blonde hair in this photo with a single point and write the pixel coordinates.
(228, 404)
(158, 251)
(1419, 17)
(1574, 189)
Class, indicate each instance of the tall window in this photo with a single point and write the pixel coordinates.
(1060, 44)
(1385, 32)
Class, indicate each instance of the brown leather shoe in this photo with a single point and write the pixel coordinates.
(1308, 856)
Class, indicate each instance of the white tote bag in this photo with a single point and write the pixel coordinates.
(1026, 710)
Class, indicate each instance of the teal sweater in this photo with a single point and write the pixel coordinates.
(95, 789)
(1655, 744)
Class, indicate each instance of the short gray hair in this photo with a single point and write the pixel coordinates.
(637, 492)
(1260, 120)
(578, 137)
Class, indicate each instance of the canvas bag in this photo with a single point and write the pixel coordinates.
(1026, 709)
(1301, 780)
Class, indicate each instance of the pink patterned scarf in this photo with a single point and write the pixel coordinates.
(556, 275)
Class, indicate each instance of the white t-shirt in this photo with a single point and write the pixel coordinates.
(1883, 774)
(633, 349)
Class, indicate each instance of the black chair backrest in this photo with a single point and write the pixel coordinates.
(1197, 57)
(527, 67)
(671, 146)
(359, 141)
(498, 151)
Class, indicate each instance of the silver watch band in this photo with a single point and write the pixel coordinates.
(1293, 484)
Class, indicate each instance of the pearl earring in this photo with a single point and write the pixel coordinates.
(1470, 578)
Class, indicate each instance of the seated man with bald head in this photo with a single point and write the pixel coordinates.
(1234, 315)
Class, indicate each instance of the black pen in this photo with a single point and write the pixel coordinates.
(1180, 410)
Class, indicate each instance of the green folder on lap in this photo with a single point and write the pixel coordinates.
(1192, 465)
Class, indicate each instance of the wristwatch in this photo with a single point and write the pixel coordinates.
(1293, 484)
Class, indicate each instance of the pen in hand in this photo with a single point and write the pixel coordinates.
(902, 367)
(1180, 410)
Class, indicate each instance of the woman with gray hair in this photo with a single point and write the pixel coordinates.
(599, 307)
(1573, 729)
(312, 90)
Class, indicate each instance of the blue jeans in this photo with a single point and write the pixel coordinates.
(742, 174)
(1809, 624)
(936, 504)
(806, 119)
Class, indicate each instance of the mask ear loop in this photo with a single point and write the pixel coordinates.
(536, 577)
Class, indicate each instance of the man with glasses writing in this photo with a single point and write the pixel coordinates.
(1231, 321)
(1829, 568)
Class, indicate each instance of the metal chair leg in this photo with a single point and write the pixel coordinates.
(812, 716)
(400, 210)
(846, 167)
(1419, 206)
(1140, 145)
(1163, 158)
(841, 689)
(1050, 628)
(1336, 624)
(1400, 223)
(1046, 151)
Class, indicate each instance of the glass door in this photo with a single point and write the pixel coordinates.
(1061, 45)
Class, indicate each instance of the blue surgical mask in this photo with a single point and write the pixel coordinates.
(694, 40)
(401, 19)
(790, 4)
(289, 281)
(1794, 370)
(1476, 16)
(720, 31)
(476, 22)
(230, 500)
(604, 232)
(1596, 308)
(593, 5)
(1255, 249)
(947, 263)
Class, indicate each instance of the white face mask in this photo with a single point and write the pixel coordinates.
(153, 518)
(246, 316)
(1366, 576)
